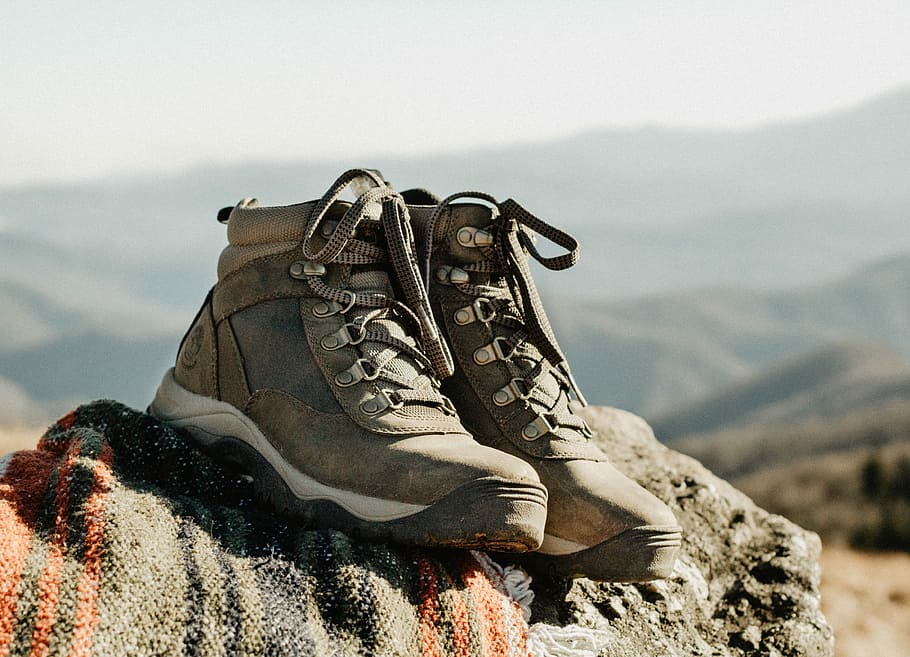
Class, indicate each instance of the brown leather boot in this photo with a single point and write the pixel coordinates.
(514, 390)
(314, 366)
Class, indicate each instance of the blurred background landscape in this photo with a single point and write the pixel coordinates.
(743, 213)
(760, 320)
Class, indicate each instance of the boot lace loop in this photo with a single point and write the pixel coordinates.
(380, 204)
(507, 257)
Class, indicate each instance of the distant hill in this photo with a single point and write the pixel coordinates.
(825, 384)
(46, 288)
(704, 254)
(76, 368)
(657, 210)
(28, 318)
(738, 453)
(657, 354)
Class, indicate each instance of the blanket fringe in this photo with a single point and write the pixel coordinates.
(546, 640)
(569, 641)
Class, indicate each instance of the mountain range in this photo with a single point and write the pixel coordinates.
(707, 258)
(672, 352)
(657, 209)
(656, 354)
(824, 385)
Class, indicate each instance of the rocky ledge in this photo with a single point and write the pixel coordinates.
(746, 582)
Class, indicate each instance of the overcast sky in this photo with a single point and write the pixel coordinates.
(94, 88)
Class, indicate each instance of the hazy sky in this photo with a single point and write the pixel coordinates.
(92, 88)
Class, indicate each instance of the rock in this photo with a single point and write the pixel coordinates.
(746, 582)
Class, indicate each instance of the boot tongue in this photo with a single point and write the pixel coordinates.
(376, 281)
(474, 215)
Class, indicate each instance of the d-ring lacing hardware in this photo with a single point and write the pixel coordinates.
(361, 370)
(512, 391)
(381, 402)
(381, 205)
(506, 245)
(498, 349)
(482, 310)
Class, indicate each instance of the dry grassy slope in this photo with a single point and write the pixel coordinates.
(812, 473)
(824, 493)
(866, 598)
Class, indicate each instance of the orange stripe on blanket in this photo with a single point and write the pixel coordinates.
(67, 421)
(49, 583)
(512, 612)
(428, 608)
(87, 618)
(461, 622)
(21, 488)
(489, 610)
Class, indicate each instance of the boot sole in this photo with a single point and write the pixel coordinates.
(489, 513)
(639, 554)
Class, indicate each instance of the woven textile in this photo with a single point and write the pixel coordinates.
(117, 537)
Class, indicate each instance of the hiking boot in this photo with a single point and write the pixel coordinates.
(515, 392)
(313, 365)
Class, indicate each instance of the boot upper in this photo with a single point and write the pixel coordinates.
(312, 332)
(498, 340)
(512, 382)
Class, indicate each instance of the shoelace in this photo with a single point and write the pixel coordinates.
(380, 203)
(506, 256)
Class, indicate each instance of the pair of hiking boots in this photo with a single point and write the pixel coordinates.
(385, 367)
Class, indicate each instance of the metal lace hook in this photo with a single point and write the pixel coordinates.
(430, 227)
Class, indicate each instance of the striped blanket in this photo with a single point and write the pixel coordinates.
(117, 537)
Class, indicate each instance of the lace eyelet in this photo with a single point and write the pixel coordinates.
(342, 337)
(514, 390)
(356, 373)
(537, 428)
(330, 307)
(472, 237)
(492, 352)
(480, 311)
(448, 275)
(303, 269)
(325, 308)
(381, 402)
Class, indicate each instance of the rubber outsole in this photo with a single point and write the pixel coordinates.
(639, 554)
(488, 513)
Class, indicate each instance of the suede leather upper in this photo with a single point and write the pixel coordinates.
(258, 344)
(590, 501)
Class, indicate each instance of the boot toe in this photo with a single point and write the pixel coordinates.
(604, 526)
